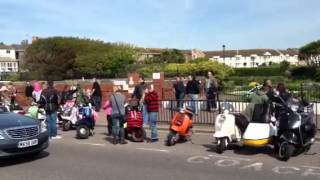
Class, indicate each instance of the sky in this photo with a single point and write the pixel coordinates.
(182, 24)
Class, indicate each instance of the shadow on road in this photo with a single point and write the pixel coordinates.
(10, 161)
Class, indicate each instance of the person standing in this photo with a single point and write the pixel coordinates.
(152, 101)
(139, 93)
(117, 101)
(96, 95)
(28, 91)
(193, 91)
(37, 90)
(108, 110)
(211, 90)
(49, 101)
(179, 90)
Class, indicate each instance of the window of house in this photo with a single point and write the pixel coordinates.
(8, 51)
(9, 66)
(3, 67)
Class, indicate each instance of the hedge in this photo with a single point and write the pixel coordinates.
(199, 69)
(260, 71)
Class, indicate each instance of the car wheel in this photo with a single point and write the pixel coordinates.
(83, 132)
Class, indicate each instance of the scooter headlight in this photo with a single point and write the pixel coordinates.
(296, 124)
(222, 118)
(43, 127)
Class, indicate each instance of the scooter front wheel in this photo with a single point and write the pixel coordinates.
(171, 138)
(83, 132)
(285, 150)
(66, 125)
(221, 145)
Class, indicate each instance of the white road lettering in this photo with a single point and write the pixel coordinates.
(197, 159)
(256, 166)
(285, 170)
(229, 157)
(93, 144)
(311, 171)
(226, 162)
(152, 149)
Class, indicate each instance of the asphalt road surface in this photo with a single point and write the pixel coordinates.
(98, 159)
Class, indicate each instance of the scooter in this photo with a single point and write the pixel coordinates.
(226, 130)
(68, 116)
(181, 127)
(134, 125)
(297, 128)
(85, 125)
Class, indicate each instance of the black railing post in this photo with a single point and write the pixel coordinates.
(218, 101)
(171, 108)
(301, 92)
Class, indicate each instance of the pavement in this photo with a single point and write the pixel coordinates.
(97, 159)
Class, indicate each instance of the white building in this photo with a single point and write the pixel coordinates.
(8, 59)
(253, 57)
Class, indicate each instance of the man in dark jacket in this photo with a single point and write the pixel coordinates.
(193, 91)
(179, 90)
(139, 93)
(49, 100)
(96, 95)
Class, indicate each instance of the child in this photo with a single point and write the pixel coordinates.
(108, 110)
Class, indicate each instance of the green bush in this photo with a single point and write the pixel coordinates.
(303, 72)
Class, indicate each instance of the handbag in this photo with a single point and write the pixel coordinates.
(119, 115)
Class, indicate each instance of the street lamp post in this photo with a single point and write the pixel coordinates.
(224, 53)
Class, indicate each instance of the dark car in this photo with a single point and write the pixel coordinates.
(21, 135)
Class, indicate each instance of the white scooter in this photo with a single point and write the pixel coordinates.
(226, 130)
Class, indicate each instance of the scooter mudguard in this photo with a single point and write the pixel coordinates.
(258, 134)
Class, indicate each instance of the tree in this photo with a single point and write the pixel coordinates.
(172, 56)
(49, 58)
(67, 57)
(311, 53)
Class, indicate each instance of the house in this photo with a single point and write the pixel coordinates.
(8, 60)
(253, 57)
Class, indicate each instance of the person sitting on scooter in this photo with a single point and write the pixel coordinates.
(260, 97)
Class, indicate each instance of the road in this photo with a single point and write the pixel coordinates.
(98, 159)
